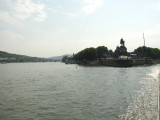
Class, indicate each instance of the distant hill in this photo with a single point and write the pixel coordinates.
(59, 58)
(10, 57)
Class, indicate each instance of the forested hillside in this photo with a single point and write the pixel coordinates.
(9, 57)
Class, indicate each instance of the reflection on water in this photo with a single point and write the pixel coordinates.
(55, 91)
(144, 106)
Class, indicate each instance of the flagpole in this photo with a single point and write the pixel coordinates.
(144, 39)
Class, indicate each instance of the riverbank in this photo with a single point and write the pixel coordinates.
(119, 62)
(159, 98)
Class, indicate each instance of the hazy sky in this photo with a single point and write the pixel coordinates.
(46, 28)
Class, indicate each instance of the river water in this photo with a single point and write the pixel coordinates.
(56, 91)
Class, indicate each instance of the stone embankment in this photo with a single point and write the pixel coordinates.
(119, 62)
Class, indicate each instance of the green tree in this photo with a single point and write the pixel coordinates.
(86, 54)
(64, 58)
(153, 53)
(101, 51)
(110, 52)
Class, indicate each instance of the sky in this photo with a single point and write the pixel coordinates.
(46, 28)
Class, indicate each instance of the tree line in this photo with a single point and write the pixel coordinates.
(148, 52)
(92, 53)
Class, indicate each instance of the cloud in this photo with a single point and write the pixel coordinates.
(71, 14)
(6, 17)
(91, 6)
(65, 13)
(23, 9)
(87, 7)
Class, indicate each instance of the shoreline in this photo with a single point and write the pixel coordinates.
(118, 62)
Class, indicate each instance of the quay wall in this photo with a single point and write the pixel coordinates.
(126, 62)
